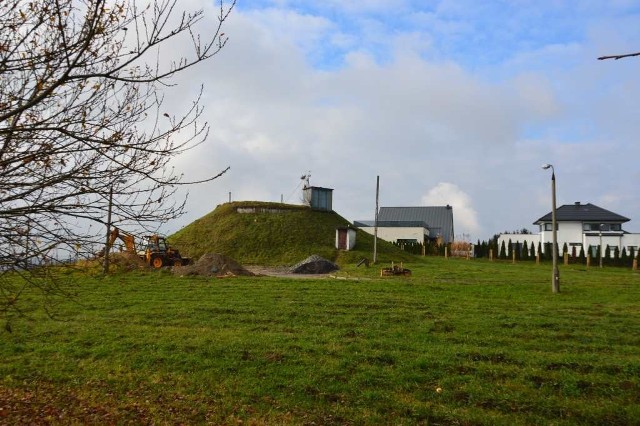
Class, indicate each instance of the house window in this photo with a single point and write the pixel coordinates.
(548, 227)
(605, 227)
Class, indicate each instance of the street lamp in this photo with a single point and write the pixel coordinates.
(555, 278)
(601, 251)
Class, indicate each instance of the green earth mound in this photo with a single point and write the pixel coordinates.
(275, 234)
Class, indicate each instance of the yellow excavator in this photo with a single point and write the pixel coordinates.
(157, 252)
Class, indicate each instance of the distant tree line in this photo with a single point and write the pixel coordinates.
(612, 255)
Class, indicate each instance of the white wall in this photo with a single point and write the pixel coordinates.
(518, 238)
(571, 232)
(400, 233)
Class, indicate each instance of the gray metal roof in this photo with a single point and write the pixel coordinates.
(391, 224)
(439, 219)
(582, 213)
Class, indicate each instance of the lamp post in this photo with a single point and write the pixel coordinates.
(555, 278)
(601, 251)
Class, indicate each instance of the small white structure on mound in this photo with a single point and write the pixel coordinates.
(345, 238)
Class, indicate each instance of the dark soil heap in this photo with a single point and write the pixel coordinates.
(128, 261)
(314, 264)
(213, 265)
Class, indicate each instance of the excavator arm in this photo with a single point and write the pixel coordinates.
(128, 240)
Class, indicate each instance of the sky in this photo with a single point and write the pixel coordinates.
(448, 102)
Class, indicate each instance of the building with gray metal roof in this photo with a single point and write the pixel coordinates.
(434, 221)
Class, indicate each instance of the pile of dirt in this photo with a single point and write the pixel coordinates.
(314, 264)
(213, 265)
(128, 261)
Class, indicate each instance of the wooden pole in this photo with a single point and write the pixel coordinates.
(375, 229)
(106, 247)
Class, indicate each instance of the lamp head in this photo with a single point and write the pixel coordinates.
(546, 166)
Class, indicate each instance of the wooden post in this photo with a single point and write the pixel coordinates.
(513, 255)
(538, 259)
(491, 255)
(446, 252)
(375, 229)
(566, 258)
(107, 245)
(635, 264)
(588, 260)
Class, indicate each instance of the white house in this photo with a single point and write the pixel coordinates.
(579, 226)
(412, 224)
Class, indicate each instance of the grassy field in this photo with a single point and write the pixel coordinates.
(459, 342)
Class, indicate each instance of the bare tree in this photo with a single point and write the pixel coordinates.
(84, 133)
(616, 57)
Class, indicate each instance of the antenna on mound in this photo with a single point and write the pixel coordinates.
(306, 194)
(304, 181)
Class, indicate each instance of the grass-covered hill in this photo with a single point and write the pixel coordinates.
(272, 234)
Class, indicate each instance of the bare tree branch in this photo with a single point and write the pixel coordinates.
(83, 127)
(616, 57)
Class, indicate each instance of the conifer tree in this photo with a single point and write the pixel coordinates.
(624, 258)
(503, 251)
(525, 251)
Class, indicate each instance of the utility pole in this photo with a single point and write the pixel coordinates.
(375, 229)
(106, 247)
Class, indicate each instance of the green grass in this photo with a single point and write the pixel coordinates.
(283, 238)
(153, 348)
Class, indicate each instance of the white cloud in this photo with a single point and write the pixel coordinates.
(413, 121)
(465, 217)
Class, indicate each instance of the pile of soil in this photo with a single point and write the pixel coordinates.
(213, 265)
(314, 264)
(128, 261)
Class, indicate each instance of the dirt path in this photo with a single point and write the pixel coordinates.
(282, 271)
